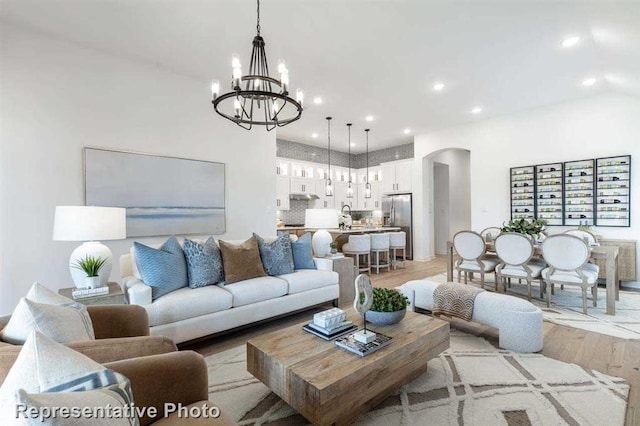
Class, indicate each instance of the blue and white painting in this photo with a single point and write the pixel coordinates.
(163, 195)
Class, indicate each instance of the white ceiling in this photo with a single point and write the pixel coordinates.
(371, 57)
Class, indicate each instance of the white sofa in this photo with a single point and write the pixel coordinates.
(518, 321)
(191, 313)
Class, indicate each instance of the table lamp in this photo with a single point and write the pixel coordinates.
(321, 219)
(90, 224)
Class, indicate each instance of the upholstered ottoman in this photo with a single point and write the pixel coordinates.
(518, 321)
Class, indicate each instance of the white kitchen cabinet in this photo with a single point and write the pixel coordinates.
(396, 177)
(282, 193)
(340, 195)
(302, 170)
(282, 167)
(301, 185)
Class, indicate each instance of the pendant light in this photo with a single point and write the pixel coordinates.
(328, 189)
(367, 185)
(349, 187)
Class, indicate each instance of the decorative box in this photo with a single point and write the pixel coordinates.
(330, 318)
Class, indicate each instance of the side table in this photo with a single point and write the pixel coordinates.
(115, 296)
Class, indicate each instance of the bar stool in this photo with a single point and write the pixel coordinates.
(398, 241)
(359, 245)
(380, 244)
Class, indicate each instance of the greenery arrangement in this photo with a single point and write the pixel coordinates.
(90, 265)
(333, 245)
(524, 226)
(584, 227)
(388, 300)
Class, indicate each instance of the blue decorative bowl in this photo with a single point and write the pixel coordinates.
(385, 318)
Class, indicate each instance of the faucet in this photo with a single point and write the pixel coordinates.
(348, 207)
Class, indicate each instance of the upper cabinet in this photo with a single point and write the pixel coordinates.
(302, 170)
(302, 185)
(282, 193)
(282, 167)
(396, 177)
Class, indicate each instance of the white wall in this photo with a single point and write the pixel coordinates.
(598, 126)
(55, 98)
(441, 213)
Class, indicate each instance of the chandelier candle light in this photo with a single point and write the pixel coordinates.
(349, 188)
(264, 100)
(328, 185)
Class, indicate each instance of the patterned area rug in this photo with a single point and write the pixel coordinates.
(472, 383)
(566, 307)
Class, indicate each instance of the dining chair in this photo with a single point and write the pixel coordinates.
(567, 257)
(471, 248)
(516, 251)
(489, 234)
(585, 235)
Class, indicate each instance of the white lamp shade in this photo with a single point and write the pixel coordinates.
(321, 218)
(89, 223)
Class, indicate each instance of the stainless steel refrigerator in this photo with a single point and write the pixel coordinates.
(396, 211)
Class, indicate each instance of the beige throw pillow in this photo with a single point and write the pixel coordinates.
(241, 262)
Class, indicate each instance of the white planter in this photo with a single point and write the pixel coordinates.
(92, 282)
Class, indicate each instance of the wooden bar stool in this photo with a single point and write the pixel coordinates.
(380, 245)
(398, 241)
(359, 245)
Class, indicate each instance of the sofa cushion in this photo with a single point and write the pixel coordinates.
(309, 279)
(277, 256)
(204, 262)
(61, 323)
(256, 290)
(241, 262)
(187, 303)
(164, 269)
(303, 253)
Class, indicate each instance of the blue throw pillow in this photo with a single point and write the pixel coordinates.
(204, 262)
(302, 253)
(164, 269)
(277, 256)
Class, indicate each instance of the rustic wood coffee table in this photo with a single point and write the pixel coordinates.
(329, 385)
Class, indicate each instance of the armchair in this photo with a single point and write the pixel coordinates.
(122, 331)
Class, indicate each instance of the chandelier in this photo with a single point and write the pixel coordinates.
(263, 100)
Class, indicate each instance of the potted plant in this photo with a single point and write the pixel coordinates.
(389, 306)
(334, 247)
(91, 266)
(524, 226)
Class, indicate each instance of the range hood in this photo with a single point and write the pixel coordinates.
(303, 196)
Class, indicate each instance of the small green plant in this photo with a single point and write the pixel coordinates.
(584, 227)
(388, 300)
(90, 265)
(524, 226)
(333, 245)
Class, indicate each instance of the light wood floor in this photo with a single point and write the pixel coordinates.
(607, 354)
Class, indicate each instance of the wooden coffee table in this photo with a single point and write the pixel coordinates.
(329, 385)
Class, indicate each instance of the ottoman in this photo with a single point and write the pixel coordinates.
(518, 321)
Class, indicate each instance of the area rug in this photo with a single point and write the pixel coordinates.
(471, 383)
(566, 307)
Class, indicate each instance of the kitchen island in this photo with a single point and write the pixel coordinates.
(340, 236)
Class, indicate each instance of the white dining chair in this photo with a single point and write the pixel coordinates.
(516, 252)
(585, 235)
(491, 233)
(471, 248)
(567, 257)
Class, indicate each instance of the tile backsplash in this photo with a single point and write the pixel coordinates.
(295, 214)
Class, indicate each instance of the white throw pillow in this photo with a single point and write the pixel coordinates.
(45, 366)
(61, 323)
(18, 328)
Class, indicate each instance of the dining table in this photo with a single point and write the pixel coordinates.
(608, 253)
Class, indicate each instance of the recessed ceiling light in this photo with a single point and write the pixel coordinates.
(570, 41)
(314, 135)
(369, 118)
(438, 87)
(317, 100)
(476, 110)
(589, 81)
(406, 131)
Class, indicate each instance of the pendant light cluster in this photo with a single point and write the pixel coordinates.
(328, 183)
